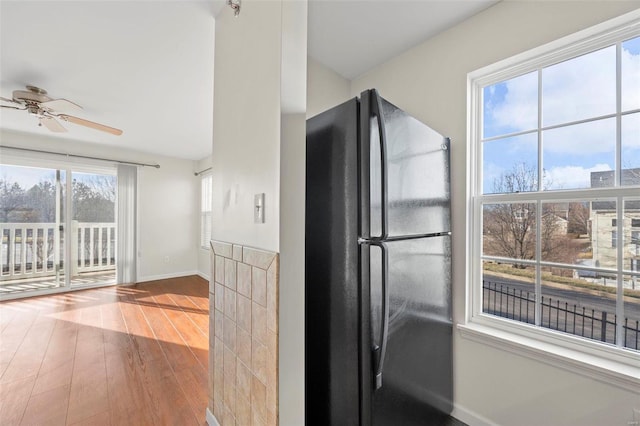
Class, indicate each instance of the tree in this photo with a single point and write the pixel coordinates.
(11, 199)
(510, 228)
(579, 219)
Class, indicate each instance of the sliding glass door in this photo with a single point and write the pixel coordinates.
(45, 248)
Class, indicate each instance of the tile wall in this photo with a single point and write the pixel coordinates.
(243, 352)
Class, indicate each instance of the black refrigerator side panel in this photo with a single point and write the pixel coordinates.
(331, 262)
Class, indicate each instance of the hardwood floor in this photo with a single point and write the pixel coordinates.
(133, 355)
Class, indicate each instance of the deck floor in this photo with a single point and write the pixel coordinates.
(42, 283)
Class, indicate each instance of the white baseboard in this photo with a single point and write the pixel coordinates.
(166, 276)
(203, 275)
(211, 419)
(470, 417)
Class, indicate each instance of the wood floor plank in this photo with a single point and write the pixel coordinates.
(47, 408)
(14, 397)
(117, 355)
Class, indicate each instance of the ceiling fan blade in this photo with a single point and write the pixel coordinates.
(93, 125)
(10, 100)
(52, 124)
(60, 105)
(11, 107)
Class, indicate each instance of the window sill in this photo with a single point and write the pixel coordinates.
(612, 366)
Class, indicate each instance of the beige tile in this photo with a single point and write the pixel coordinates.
(218, 371)
(272, 294)
(259, 355)
(243, 312)
(272, 419)
(212, 282)
(259, 323)
(272, 342)
(255, 257)
(222, 249)
(258, 398)
(244, 279)
(230, 362)
(230, 303)
(237, 253)
(259, 286)
(256, 420)
(212, 318)
(228, 416)
(243, 410)
(243, 346)
(230, 273)
(229, 333)
(219, 269)
(210, 370)
(271, 369)
(219, 324)
(272, 400)
(219, 298)
(218, 410)
(243, 381)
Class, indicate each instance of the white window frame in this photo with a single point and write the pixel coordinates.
(206, 213)
(603, 362)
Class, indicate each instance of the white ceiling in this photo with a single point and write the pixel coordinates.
(353, 36)
(147, 66)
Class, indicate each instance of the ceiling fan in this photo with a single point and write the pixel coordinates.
(37, 103)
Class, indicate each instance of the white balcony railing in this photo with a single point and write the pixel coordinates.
(37, 249)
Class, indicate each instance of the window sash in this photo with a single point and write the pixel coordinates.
(537, 59)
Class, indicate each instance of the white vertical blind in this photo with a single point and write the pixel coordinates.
(206, 188)
(126, 224)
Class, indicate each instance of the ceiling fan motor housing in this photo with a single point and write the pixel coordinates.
(30, 96)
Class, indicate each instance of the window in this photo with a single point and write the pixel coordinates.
(206, 188)
(555, 152)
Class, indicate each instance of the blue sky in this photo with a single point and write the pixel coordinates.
(578, 89)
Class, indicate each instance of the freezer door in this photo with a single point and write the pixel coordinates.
(415, 379)
(408, 172)
(331, 262)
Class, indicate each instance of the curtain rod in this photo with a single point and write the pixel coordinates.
(157, 166)
(202, 171)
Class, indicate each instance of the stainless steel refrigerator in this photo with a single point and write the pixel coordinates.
(378, 346)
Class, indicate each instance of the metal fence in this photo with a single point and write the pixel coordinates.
(519, 305)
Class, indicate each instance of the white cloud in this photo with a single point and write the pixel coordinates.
(576, 89)
(571, 177)
(519, 110)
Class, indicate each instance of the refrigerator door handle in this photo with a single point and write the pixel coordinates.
(379, 352)
(376, 111)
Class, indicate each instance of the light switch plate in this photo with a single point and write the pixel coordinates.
(258, 208)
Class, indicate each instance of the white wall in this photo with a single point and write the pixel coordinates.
(325, 88)
(258, 147)
(167, 199)
(246, 123)
(490, 383)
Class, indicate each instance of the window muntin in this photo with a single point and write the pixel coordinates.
(585, 146)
